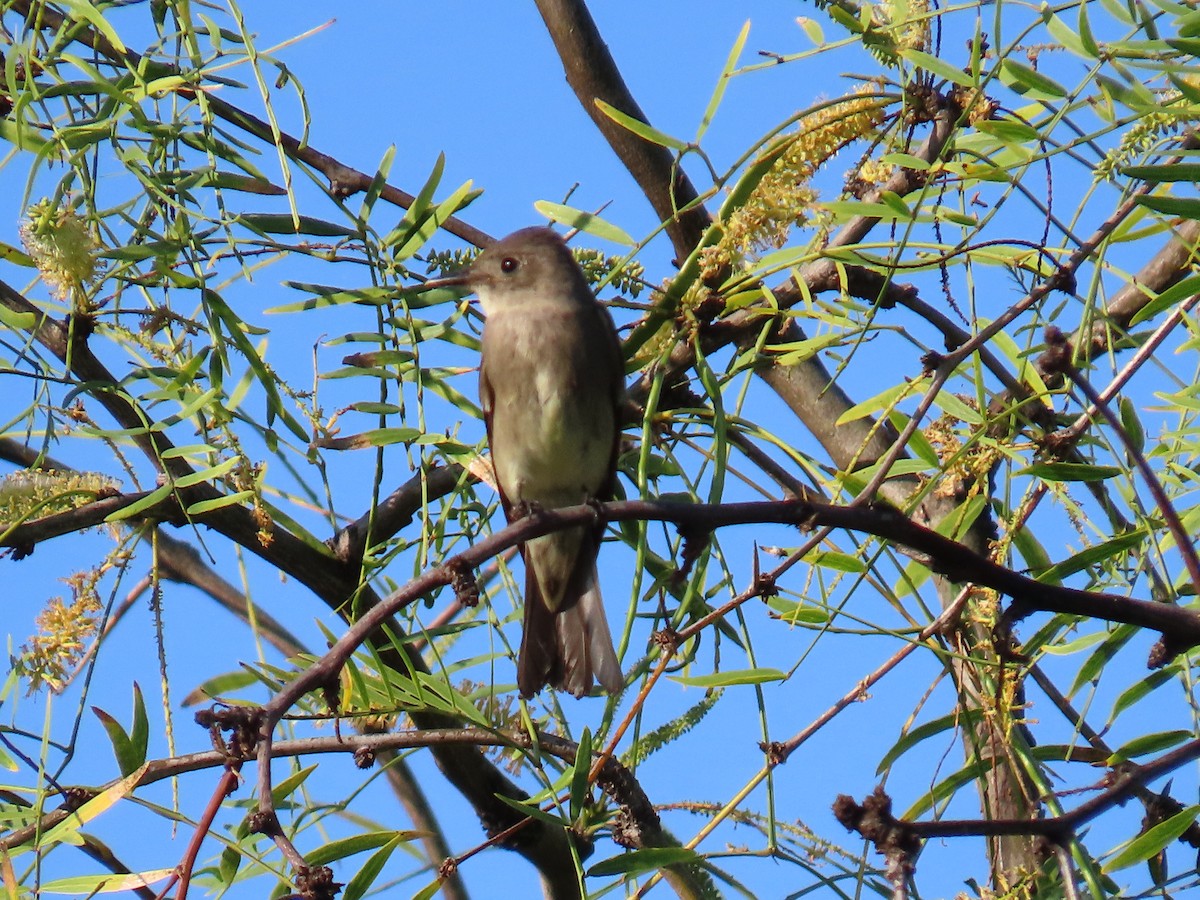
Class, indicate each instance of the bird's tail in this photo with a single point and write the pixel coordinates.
(571, 648)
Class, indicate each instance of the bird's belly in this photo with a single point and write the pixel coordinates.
(565, 451)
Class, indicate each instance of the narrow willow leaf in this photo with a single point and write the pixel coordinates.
(1147, 744)
(839, 562)
(812, 29)
(283, 223)
(1132, 425)
(921, 733)
(731, 677)
(17, 257)
(1029, 81)
(156, 496)
(210, 474)
(206, 506)
(875, 404)
(1086, 38)
(1099, 659)
(1009, 130)
(283, 789)
(122, 747)
(1184, 207)
(82, 10)
(364, 879)
(641, 129)
(1067, 36)
(579, 776)
(67, 831)
(641, 861)
(584, 221)
(88, 885)
(1064, 471)
(727, 71)
(1171, 172)
(418, 210)
(1095, 555)
(938, 67)
(1152, 841)
(1139, 689)
(532, 810)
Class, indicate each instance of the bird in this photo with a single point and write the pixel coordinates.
(552, 387)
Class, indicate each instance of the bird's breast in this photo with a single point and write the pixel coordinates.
(553, 418)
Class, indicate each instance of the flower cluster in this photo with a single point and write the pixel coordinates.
(64, 630)
(782, 198)
(63, 248)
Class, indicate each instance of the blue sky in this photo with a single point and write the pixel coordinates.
(480, 83)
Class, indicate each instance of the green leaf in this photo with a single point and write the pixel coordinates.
(1094, 555)
(641, 129)
(879, 402)
(1184, 207)
(201, 507)
(222, 685)
(1171, 172)
(429, 891)
(1066, 35)
(839, 562)
(1086, 38)
(417, 237)
(129, 749)
(283, 223)
(938, 67)
(532, 810)
(1132, 425)
(67, 831)
(1152, 841)
(210, 474)
(1167, 299)
(19, 321)
(953, 721)
(1139, 689)
(87, 885)
(1030, 82)
(797, 613)
(812, 29)
(584, 221)
(280, 791)
(1098, 661)
(82, 10)
(21, 136)
(1147, 744)
(418, 210)
(1010, 131)
(17, 257)
(365, 877)
(156, 496)
(378, 182)
(641, 861)
(579, 777)
(1064, 471)
(718, 94)
(731, 677)
(232, 181)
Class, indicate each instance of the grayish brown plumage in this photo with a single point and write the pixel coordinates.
(551, 383)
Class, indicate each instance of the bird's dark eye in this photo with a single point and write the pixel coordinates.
(508, 265)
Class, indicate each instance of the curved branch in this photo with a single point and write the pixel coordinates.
(593, 75)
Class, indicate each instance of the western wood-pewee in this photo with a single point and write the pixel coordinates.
(551, 383)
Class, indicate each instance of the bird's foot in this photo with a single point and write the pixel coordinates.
(523, 508)
(597, 506)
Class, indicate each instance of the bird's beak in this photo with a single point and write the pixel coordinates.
(458, 280)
